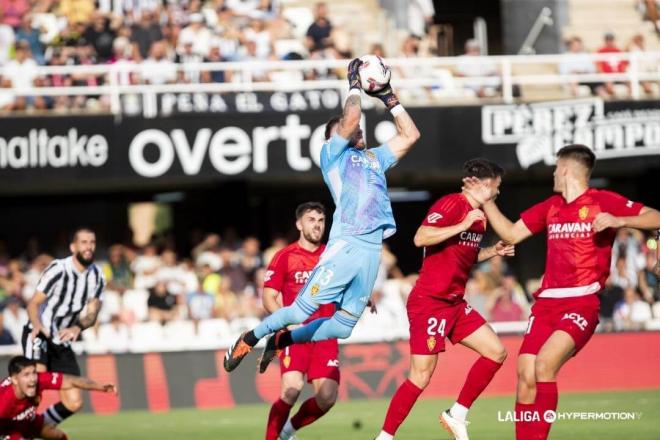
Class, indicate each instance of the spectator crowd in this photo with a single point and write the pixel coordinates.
(222, 280)
(153, 37)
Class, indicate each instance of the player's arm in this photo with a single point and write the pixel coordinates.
(407, 132)
(83, 383)
(270, 299)
(33, 314)
(350, 119)
(512, 233)
(648, 218)
(500, 248)
(86, 321)
(432, 235)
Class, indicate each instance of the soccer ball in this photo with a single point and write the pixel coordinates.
(374, 73)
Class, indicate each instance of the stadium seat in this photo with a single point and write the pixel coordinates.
(114, 339)
(213, 333)
(146, 336)
(135, 301)
(178, 335)
(300, 18)
(111, 306)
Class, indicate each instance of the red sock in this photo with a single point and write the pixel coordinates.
(524, 412)
(546, 400)
(478, 378)
(308, 413)
(400, 405)
(279, 413)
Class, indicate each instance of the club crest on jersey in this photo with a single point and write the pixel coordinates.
(315, 289)
(430, 343)
(286, 361)
(583, 212)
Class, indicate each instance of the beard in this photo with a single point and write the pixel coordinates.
(84, 261)
(311, 238)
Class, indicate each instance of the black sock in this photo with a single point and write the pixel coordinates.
(250, 339)
(58, 413)
(284, 340)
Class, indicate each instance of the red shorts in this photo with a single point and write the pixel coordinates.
(318, 360)
(432, 320)
(576, 316)
(15, 430)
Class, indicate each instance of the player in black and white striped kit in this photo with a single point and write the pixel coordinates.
(66, 288)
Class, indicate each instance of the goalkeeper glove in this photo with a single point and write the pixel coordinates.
(354, 74)
(386, 94)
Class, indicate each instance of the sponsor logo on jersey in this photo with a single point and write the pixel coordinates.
(431, 342)
(577, 320)
(630, 204)
(55, 377)
(368, 161)
(433, 217)
(333, 363)
(583, 212)
(286, 361)
(569, 230)
(468, 309)
(315, 289)
(472, 239)
(301, 276)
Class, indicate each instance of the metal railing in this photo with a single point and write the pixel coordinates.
(431, 74)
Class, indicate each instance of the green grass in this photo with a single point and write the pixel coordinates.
(247, 422)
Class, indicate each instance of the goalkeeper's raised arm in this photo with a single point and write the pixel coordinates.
(407, 132)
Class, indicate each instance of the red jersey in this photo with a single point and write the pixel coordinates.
(578, 259)
(446, 266)
(289, 271)
(25, 409)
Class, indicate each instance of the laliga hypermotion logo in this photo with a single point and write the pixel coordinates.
(539, 130)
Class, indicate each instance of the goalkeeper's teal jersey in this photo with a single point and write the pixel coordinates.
(356, 179)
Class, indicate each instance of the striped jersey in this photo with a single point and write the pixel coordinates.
(68, 292)
(356, 179)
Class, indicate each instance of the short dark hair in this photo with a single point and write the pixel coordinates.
(309, 206)
(579, 153)
(330, 125)
(19, 363)
(80, 229)
(482, 169)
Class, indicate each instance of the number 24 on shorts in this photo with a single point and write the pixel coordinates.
(435, 328)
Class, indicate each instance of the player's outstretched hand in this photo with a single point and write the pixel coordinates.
(354, 74)
(110, 388)
(505, 250)
(476, 215)
(605, 220)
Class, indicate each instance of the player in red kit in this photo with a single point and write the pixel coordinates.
(580, 224)
(20, 395)
(286, 275)
(451, 235)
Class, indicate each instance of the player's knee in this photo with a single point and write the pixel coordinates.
(543, 369)
(326, 397)
(290, 394)
(73, 403)
(499, 354)
(526, 379)
(421, 377)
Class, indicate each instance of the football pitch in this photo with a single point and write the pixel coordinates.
(361, 419)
